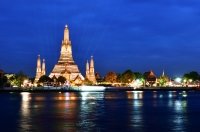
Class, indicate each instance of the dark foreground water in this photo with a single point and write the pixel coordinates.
(100, 111)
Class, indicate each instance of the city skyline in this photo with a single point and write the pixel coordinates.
(120, 35)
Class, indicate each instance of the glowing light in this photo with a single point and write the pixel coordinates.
(134, 91)
(67, 98)
(137, 80)
(25, 93)
(178, 103)
(84, 95)
(170, 95)
(25, 96)
(135, 96)
(178, 79)
(92, 88)
(184, 95)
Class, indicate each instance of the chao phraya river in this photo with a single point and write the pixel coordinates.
(169, 111)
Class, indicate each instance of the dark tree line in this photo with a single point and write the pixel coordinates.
(45, 78)
(191, 76)
(126, 77)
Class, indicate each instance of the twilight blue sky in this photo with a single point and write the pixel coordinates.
(121, 34)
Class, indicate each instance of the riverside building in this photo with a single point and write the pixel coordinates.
(150, 78)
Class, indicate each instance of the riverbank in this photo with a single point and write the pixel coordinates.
(96, 89)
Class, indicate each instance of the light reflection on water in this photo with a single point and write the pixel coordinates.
(180, 117)
(135, 94)
(102, 111)
(90, 111)
(25, 111)
(137, 115)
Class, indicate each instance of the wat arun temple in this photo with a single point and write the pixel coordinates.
(66, 66)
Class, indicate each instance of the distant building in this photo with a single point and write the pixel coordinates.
(66, 66)
(98, 77)
(90, 70)
(150, 78)
(166, 79)
(175, 84)
(40, 71)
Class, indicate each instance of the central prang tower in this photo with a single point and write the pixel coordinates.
(66, 49)
(66, 66)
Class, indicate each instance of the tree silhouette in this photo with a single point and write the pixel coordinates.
(18, 78)
(111, 77)
(45, 78)
(127, 77)
(88, 82)
(61, 79)
(193, 76)
(163, 80)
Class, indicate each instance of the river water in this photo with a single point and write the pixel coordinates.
(169, 111)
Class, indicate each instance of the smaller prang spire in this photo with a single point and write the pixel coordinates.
(163, 74)
(87, 69)
(92, 65)
(43, 68)
(38, 69)
(90, 70)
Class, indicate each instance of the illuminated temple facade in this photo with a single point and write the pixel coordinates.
(40, 71)
(66, 66)
(150, 78)
(90, 70)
